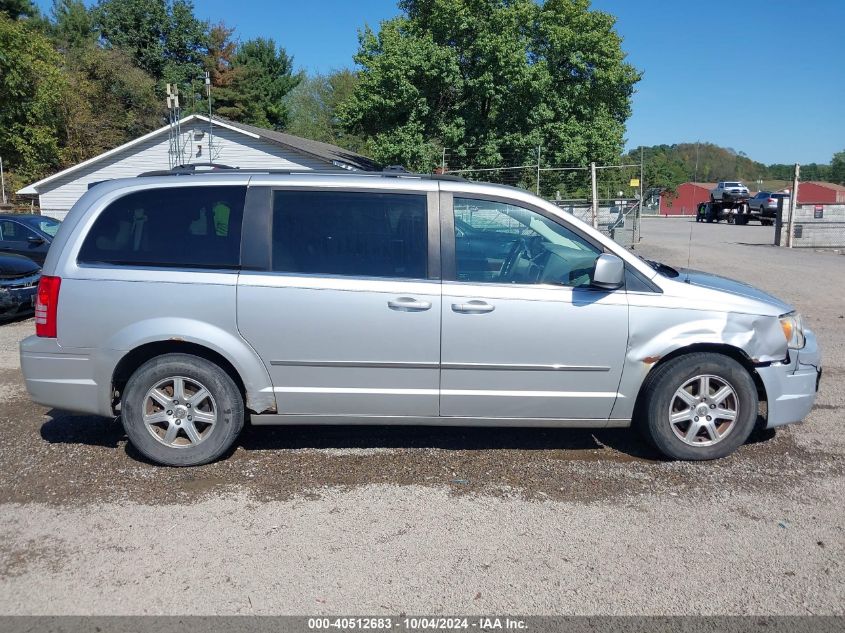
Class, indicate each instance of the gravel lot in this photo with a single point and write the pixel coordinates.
(475, 521)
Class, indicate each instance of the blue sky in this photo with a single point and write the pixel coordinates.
(772, 84)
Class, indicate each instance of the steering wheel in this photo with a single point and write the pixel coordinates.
(520, 246)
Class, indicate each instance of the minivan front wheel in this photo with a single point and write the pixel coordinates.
(699, 406)
(181, 410)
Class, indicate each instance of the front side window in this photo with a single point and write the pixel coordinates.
(496, 242)
(172, 227)
(358, 234)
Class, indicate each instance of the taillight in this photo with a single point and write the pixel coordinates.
(46, 303)
(771, 200)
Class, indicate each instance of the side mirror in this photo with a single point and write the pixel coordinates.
(609, 272)
(35, 240)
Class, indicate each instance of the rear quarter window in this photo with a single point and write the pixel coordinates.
(183, 227)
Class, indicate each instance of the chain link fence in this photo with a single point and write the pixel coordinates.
(604, 196)
(814, 226)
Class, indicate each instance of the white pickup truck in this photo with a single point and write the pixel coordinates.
(729, 192)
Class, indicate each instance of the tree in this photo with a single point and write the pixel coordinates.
(837, 168)
(32, 87)
(220, 56)
(162, 37)
(492, 80)
(263, 76)
(73, 24)
(314, 104)
(113, 102)
(15, 9)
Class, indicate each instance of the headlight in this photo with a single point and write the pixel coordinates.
(793, 330)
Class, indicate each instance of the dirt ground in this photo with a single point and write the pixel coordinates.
(419, 520)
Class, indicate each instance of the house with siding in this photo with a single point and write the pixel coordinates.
(200, 140)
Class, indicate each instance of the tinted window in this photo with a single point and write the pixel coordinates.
(181, 227)
(357, 234)
(14, 232)
(50, 226)
(501, 243)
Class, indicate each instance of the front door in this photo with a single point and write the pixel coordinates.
(524, 334)
(347, 317)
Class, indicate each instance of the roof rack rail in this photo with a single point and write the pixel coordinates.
(392, 171)
(191, 168)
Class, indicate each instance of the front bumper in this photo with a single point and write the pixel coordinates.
(14, 301)
(791, 386)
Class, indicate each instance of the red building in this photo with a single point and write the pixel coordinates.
(686, 197)
(813, 192)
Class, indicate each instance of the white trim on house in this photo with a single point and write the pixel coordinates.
(33, 188)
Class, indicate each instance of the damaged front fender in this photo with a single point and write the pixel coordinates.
(656, 332)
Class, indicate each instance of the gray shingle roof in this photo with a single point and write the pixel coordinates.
(333, 154)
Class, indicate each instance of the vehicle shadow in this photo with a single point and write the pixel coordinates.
(449, 438)
(88, 430)
(66, 428)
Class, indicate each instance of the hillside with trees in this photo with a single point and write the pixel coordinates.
(667, 166)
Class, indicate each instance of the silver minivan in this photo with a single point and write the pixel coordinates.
(188, 305)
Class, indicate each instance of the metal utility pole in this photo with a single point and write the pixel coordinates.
(639, 215)
(210, 124)
(538, 168)
(175, 150)
(443, 162)
(793, 200)
(595, 196)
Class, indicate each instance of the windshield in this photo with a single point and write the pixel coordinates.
(733, 184)
(49, 226)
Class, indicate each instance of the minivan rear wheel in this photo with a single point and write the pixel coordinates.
(698, 406)
(181, 410)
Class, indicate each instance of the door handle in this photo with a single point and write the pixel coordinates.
(408, 304)
(473, 307)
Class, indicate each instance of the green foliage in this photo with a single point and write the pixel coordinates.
(32, 87)
(72, 25)
(162, 37)
(492, 79)
(263, 76)
(313, 107)
(667, 166)
(16, 9)
(113, 102)
(837, 168)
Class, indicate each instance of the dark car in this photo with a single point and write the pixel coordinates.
(27, 235)
(19, 278)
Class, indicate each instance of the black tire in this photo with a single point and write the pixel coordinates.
(225, 400)
(659, 392)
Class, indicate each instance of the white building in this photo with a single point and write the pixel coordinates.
(232, 144)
